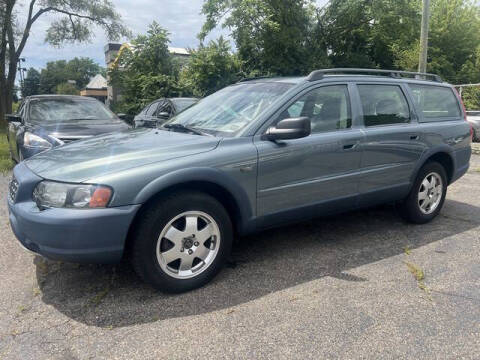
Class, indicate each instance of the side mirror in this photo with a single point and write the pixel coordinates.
(163, 115)
(288, 129)
(13, 118)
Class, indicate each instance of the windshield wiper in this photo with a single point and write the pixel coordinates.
(185, 128)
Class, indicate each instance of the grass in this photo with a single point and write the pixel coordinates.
(416, 271)
(6, 164)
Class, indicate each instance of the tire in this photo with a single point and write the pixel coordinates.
(166, 256)
(476, 136)
(418, 211)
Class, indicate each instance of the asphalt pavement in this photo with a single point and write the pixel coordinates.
(360, 285)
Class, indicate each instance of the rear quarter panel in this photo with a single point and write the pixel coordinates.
(447, 135)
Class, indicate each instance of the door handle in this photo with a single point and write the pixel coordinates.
(349, 146)
(414, 137)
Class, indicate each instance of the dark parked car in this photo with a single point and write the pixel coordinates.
(473, 118)
(256, 154)
(45, 121)
(161, 110)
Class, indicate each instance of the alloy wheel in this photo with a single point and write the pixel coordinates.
(188, 244)
(430, 193)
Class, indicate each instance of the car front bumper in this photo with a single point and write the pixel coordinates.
(90, 236)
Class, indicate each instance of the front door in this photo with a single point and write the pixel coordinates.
(305, 177)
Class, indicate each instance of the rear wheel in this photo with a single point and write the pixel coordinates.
(182, 242)
(427, 195)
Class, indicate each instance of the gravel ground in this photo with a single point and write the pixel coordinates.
(333, 288)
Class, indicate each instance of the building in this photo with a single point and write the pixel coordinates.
(96, 88)
(112, 54)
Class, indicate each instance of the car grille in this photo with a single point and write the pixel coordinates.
(13, 189)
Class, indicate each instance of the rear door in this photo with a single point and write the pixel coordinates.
(393, 143)
(321, 169)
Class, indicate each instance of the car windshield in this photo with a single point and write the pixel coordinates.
(64, 110)
(231, 109)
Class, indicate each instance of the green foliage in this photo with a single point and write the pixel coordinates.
(15, 106)
(31, 84)
(72, 28)
(6, 164)
(288, 37)
(272, 36)
(145, 72)
(364, 33)
(471, 97)
(210, 68)
(454, 42)
(80, 70)
(293, 37)
(66, 89)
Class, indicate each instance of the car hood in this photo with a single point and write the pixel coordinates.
(106, 154)
(80, 129)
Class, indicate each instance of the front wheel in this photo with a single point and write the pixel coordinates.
(427, 195)
(182, 242)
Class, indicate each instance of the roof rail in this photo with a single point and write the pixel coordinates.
(319, 74)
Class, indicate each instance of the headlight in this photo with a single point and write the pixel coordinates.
(36, 141)
(49, 194)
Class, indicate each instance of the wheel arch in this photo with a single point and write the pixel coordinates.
(444, 156)
(210, 181)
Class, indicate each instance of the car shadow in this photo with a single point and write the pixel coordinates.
(113, 296)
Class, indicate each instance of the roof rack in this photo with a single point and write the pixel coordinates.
(319, 74)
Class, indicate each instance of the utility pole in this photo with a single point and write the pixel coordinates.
(422, 63)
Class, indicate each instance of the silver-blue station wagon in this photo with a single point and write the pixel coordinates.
(257, 154)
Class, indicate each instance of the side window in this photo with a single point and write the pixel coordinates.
(435, 101)
(151, 110)
(165, 107)
(327, 107)
(383, 105)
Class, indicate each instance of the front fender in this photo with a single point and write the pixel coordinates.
(199, 174)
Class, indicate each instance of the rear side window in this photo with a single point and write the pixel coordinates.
(435, 101)
(383, 105)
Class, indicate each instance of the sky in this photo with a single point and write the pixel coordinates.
(181, 18)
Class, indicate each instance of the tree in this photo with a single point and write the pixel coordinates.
(272, 36)
(210, 68)
(146, 71)
(80, 70)
(75, 22)
(54, 73)
(454, 42)
(66, 89)
(368, 33)
(31, 85)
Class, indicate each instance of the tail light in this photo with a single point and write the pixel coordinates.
(464, 113)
